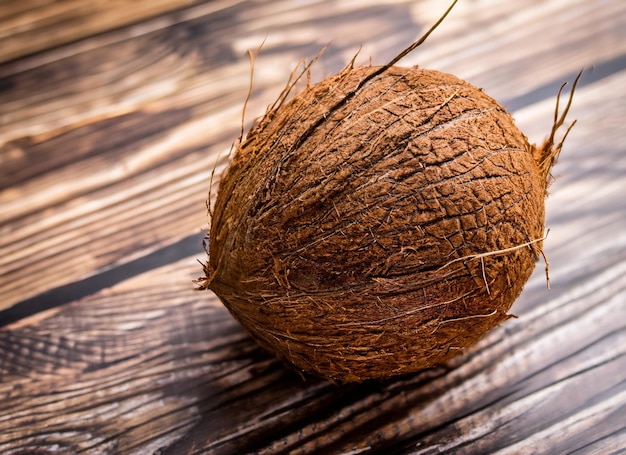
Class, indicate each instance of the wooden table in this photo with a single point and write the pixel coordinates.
(113, 116)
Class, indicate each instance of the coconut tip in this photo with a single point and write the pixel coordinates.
(548, 153)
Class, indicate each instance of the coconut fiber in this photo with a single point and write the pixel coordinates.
(378, 223)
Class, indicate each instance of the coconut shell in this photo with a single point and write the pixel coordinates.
(378, 223)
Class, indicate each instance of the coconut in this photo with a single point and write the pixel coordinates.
(379, 222)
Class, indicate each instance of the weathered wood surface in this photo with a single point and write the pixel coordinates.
(109, 132)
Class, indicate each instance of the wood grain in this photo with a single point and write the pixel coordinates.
(30, 26)
(109, 132)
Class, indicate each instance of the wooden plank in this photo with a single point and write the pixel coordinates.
(107, 144)
(30, 26)
(126, 149)
(96, 361)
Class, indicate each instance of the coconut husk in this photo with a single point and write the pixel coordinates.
(379, 222)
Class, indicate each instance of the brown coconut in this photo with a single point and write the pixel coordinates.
(378, 223)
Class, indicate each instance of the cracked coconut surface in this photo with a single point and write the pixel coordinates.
(345, 233)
